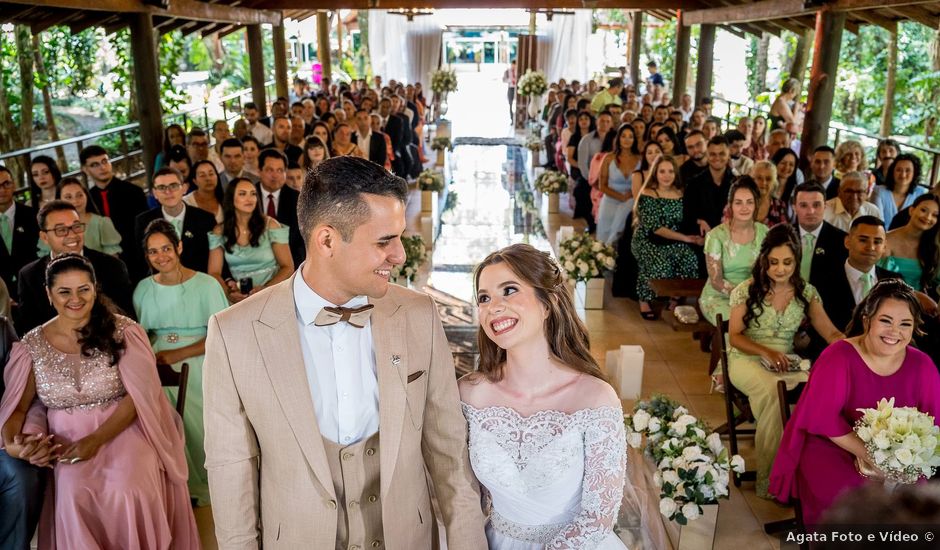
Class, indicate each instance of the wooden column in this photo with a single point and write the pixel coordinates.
(323, 44)
(801, 55)
(339, 40)
(280, 61)
(822, 84)
(887, 114)
(681, 67)
(706, 65)
(147, 81)
(636, 44)
(526, 59)
(256, 67)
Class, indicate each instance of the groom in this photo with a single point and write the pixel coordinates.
(327, 426)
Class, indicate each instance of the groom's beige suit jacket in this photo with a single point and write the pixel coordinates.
(269, 477)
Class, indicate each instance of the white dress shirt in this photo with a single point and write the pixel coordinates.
(854, 277)
(177, 221)
(837, 215)
(262, 133)
(340, 365)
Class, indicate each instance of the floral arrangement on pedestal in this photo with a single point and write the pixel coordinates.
(551, 182)
(532, 83)
(416, 254)
(582, 257)
(534, 144)
(441, 144)
(692, 465)
(901, 441)
(444, 81)
(431, 180)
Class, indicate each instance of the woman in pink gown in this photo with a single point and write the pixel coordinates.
(120, 479)
(818, 455)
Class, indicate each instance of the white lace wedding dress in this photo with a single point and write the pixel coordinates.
(554, 479)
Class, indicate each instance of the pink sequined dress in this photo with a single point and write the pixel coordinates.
(132, 494)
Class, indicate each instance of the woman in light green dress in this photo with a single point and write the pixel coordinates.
(766, 311)
(253, 245)
(100, 233)
(174, 306)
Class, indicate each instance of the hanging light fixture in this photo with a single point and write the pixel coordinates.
(549, 12)
(411, 13)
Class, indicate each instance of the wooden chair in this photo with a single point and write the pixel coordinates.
(170, 378)
(788, 398)
(734, 399)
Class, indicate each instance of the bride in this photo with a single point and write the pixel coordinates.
(546, 431)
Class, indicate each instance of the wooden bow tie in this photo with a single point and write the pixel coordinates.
(357, 317)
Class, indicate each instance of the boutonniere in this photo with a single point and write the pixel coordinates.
(188, 234)
(20, 229)
(820, 251)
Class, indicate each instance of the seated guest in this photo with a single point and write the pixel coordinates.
(174, 306)
(707, 194)
(233, 162)
(4, 300)
(766, 311)
(904, 216)
(254, 246)
(850, 157)
(315, 152)
(342, 142)
(912, 251)
(256, 128)
(100, 233)
(63, 231)
(888, 150)
(820, 455)
(281, 142)
(173, 135)
(371, 143)
(669, 142)
(615, 184)
(198, 145)
(178, 158)
(786, 162)
(322, 130)
(822, 167)
(740, 163)
(731, 249)
(44, 177)
(695, 146)
(252, 149)
(18, 233)
(122, 447)
(295, 177)
(208, 194)
(901, 187)
(279, 201)
(850, 204)
(192, 224)
(771, 211)
(822, 243)
(661, 251)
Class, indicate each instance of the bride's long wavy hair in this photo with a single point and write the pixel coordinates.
(566, 335)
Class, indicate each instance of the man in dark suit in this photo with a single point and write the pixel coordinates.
(823, 244)
(115, 198)
(63, 231)
(192, 224)
(281, 142)
(823, 169)
(18, 233)
(371, 143)
(706, 196)
(395, 128)
(278, 200)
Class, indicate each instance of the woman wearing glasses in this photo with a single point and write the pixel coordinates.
(100, 233)
(174, 306)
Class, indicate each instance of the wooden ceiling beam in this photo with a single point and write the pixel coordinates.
(176, 24)
(199, 27)
(89, 20)
(51, 20)
(848, 5)
(186, 9)
(15, 12)
(477, 4)
(214, 29)
(742, 13)
(852, 26)
(234, 28)
(872, 17)
(733, 30)
(918, 14)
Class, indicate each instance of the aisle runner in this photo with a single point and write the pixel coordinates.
(512, 141)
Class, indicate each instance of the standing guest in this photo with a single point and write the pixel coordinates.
(850, 157)
(208, 194)
(661, 251)
(786, 104)
(654, 82)
(63, 231)
(888, 149)
(279, 201)
(315, 152)
(113, 197)
(609, 96)
(820, 456)
(253, 246)
(44, 177)
(696, 146)
(18, 233)
(756, 149)
(786, 162)
(615, 183)
(850, 204)
(281, 142)
(173, 135)
(585, 126)
(509, 78)
(198, 145)
(913, 251)
(766, 311)
(121, 453)
(252, 148)
(822, 244)
(589, 146)
(901, 187)
(255, 128)
(707, 194)
(342, 142)
(192, 224)
(233, 163)
(822, 167)
(731, 249)
(100, 233)
(174, 306)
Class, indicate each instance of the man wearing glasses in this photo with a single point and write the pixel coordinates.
(18, 233)
(113, 197)
(851, 203)
(192, 224)
(62, 230)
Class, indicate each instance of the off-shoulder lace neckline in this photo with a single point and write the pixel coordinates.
(545, 412)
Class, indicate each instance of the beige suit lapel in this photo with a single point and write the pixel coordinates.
(391, 364)
(279, 340)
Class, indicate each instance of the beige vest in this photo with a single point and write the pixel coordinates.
(355, 470)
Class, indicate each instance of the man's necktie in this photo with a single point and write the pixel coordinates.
(866, 284)
(178, 225)
(357, 317)
(6, 231)
(809, 245)
(272, 212)
(105, 206)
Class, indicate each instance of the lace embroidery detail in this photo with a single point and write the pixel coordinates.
(539, 534)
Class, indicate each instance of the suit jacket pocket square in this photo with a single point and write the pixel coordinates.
(414, 376)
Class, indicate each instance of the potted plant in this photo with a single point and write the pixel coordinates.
(430, 182)
(551, 183)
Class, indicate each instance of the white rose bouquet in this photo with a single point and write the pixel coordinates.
(901, 441)
(551, 182)
(444, 81)
(532, 83)
(693, 467)
(416, 254)
(431, 180)
(441, 144)
(583, 257)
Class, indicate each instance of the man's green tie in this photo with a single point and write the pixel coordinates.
(866, 284)
(178, 225)
(6, 231)
(809, 244)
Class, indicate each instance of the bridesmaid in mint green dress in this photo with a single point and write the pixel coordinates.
(174, 306)
(918, 239)
(253, 245)
(100, 233)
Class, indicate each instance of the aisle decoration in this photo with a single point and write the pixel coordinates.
(444, 81)
(583, 261)
(901, 441)
(416, 254)
(551, 183)
(534, 144)
(441, 144)
(431, 180)
(532, 83)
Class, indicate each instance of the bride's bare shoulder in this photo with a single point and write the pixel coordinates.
(591, 392)
(471, 386)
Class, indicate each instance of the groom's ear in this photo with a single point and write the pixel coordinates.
(325, 238)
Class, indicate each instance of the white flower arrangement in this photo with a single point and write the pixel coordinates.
(416, 254)
(431, 180)
(441, 144)
(693, 467)
(534, 143)
(583, 257)
(901, 441)
(444, 81)
(532, 83)
(551, 182)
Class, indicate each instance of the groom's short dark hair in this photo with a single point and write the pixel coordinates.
(332, 194)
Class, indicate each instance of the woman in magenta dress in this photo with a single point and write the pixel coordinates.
(120, 479)
(820, 455)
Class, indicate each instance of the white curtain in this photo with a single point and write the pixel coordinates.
(564, 50)
(423, 49)
(404, 50)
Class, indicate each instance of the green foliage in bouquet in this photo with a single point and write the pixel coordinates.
(583, 257)
(441, 144)
(431, 180)
(416, 254)
(532, 83)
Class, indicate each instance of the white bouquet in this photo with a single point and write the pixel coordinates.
(534, 143)
(415, 256)
(444, 81)
(532, 83)
(431, 180)
(441, 144)
(693, 466)
(583, 257)
(901, 441)
(551, 182)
